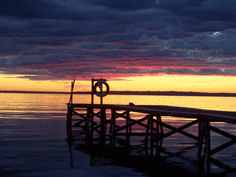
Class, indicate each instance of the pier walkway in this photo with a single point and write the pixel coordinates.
(99, 122)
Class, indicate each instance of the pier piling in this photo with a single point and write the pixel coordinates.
(91, 122)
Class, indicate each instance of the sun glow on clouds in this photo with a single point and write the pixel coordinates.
(19, 83)
(214, 84)
(152, 45)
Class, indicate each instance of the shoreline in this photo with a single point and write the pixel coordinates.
(160, 93)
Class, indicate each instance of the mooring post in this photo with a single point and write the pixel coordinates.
(91, 125)
(112, 128)
(88, 126)
(69, 123)
(208, 146)
(69, 115)
(204, 133)
(92, 91)
(128, 128)
(159, 134)
(146, 135)
(103, 126)
(151, 134)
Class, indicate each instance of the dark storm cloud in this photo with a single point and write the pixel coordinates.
(57, 39)
(123, 4)
(206, 10)
(35, 9)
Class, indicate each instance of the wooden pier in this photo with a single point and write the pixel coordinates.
(97, 123)
(81, 116)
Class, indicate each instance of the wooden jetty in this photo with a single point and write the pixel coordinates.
(98, 123)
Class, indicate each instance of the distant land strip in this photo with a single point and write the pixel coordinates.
(164, 93)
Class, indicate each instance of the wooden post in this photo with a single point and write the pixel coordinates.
(112, 128)
(87, 126)
(103, 126)
(208, 146)
(158, 134)
(128, 129)
(151, 135)
(69, 124)
(204, 128)
(91, 125)
(101, 98)
(71, 93)
(146, 135)
(92, 95)
(69, 115)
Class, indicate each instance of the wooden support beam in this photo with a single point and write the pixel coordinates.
(223, 146)
(134, 122)
(103, 126)
(128, 128)
(179, 130)
(123, 115)
(138, 122)
(204, 133)
(151, 134)
(112, 128)
(159, 134)
(78, 114)
(217, 130)
(69, 124)
(147, 134)
(89, 126)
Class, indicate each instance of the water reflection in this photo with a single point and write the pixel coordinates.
(40, 110)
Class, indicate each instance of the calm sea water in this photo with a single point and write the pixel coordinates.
(33, 133)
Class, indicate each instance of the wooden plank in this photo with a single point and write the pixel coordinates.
(209, 115)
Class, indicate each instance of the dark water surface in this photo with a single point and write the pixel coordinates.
(33, 141)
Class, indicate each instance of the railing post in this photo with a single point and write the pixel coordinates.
(146, 135)
(88, 126)
(204, 133)
(128, 129)
(103, 126)
(158, 134)
(69, 123)
(112, 128)
(151, 135)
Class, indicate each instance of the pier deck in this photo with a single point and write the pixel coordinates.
(152, 122)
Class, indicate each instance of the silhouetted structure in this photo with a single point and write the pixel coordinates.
(97, 123)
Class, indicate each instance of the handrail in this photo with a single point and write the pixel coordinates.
(208, 115)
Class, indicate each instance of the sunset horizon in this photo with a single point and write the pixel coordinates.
(164, 83)
(153, 83)
(137, 46)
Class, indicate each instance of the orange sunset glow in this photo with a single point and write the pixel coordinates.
(136, 45)
(182, 83)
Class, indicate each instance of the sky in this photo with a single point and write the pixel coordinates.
(154, 45)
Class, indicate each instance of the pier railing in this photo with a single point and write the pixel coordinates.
(106, 128)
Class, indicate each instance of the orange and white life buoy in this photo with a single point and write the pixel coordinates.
(99, 84)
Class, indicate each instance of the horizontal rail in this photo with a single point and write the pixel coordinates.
(208, 115)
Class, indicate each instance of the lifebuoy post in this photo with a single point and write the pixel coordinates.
(99, 84)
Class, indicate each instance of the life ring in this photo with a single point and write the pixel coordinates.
(99, 84)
